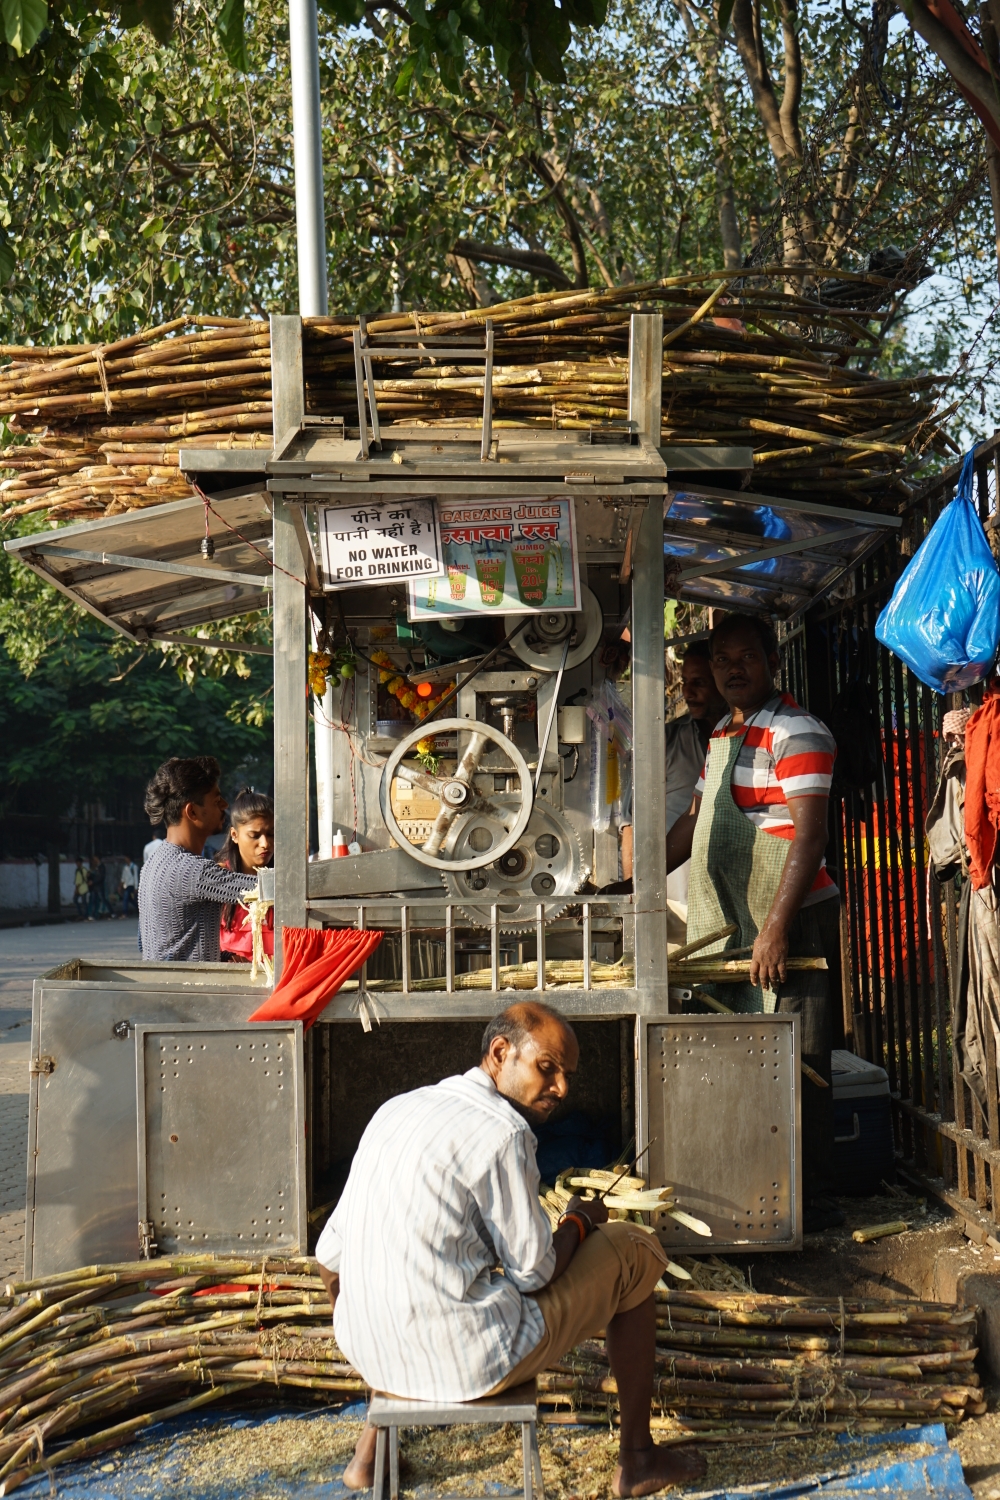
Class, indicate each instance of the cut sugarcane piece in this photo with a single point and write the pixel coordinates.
(675, 1270)
(650, 1202)
(689, 1221)
(600, 1180)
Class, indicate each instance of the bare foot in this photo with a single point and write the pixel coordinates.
(643, 1471)
(360, 1472)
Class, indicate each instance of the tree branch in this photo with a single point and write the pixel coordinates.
(535, 262)
(745, 29)
(791, 97)
(568, 217)
(954, 56)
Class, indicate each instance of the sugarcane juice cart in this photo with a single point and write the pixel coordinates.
(160, 1119)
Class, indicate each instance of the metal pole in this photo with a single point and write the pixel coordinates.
(648, 710)
(291, 741)
(310, 223)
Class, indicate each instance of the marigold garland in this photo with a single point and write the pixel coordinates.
(403, 691)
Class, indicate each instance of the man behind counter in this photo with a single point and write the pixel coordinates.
(756, 837)
(180, 893)
(686, 746)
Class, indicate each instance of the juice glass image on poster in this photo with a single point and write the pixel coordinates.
(504, 557)
(380, 541)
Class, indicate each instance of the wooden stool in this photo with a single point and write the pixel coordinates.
(520, 1404)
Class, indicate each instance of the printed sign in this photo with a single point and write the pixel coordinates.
(380, 542)
(509, 557)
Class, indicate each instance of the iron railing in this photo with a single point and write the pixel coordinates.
(900, 926)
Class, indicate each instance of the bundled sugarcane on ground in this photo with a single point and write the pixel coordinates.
(790, 1363)
(91, 1358)
(745, 362)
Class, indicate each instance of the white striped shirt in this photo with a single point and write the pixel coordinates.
(443, 1190)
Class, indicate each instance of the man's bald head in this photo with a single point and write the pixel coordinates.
(520, 1021)
(530, 1051)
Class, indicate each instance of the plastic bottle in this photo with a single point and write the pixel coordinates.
(339, 849)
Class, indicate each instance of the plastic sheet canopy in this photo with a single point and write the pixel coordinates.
(742, 551)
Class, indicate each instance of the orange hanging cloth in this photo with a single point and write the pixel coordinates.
(315, 965)
(982, 789)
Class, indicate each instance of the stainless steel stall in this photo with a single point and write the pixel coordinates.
(159, 1117)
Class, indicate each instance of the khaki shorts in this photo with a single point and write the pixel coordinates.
(614, 1270)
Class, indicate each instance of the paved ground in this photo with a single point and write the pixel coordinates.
(24, 953)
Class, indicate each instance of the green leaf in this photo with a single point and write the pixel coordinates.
(725, 14)
(23, 22)
(8, 262)
(156, 15)
(232, 34)
(404, 78)
(347, 12)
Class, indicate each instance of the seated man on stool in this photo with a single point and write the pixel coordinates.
(443, 1191)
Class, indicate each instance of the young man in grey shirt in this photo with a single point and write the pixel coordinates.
(180, 892)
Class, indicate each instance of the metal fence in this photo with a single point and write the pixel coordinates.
(900, 929)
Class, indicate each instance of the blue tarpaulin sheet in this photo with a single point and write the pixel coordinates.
(932, 1476)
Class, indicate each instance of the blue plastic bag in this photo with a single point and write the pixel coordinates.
(943, 619)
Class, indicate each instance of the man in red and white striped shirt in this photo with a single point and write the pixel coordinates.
(780, 781)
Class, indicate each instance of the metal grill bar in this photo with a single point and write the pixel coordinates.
(586, 945)
(540, 946)
(404, 938)
(494, 947)
(449, 949)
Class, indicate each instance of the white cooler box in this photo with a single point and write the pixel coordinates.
(864, 1151)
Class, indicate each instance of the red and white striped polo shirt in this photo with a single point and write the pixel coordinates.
(786, 752)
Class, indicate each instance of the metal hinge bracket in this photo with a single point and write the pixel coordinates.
(148, 1248)
(44, 1064)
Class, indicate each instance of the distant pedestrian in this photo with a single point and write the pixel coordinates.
(81, 889)
(129, 887)
(154, 843)
(98, 888)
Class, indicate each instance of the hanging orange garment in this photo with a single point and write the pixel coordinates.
(982, 789)
(945, 12)
(315, 965)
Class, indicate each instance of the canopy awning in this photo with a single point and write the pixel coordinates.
(737, 550)
(144, 572)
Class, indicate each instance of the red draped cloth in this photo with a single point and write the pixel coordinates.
(982, 787)
(316, 964)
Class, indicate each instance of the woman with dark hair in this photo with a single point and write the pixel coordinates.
(250, 847)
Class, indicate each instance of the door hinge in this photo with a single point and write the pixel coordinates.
(148, 1248)
(43, 1064)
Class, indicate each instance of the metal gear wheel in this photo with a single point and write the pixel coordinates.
(545, 863)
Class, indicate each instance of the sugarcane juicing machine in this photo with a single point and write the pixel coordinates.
(461, 597)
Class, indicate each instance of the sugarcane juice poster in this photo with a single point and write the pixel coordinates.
(506, 557)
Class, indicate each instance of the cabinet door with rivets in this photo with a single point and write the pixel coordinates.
(725, 1120)
(221, 1137)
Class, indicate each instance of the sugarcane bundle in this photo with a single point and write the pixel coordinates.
(105, 423)
(745, 361)
(567, 973)
(91, 1357)
(735, 1383)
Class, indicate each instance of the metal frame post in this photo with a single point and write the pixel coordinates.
(307, 134)
(291, 735)
(648, 712)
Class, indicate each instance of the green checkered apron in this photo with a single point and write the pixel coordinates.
(736, 869)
